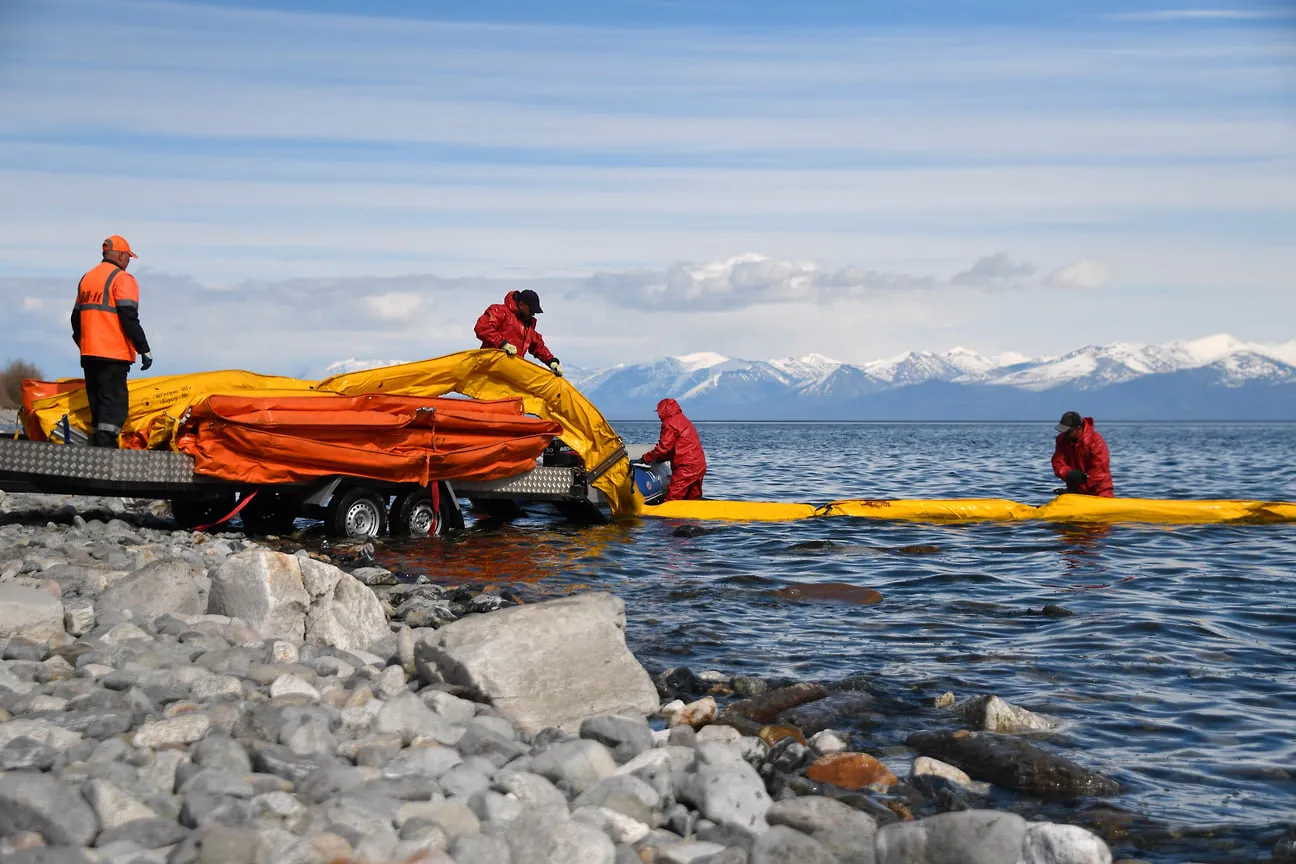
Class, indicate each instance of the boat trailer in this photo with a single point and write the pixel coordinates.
(354, 507)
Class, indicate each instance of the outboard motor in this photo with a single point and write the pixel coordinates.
(651, 480)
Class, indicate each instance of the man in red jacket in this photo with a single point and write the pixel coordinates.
(511, 327)
(679, 444)
(1080, 457)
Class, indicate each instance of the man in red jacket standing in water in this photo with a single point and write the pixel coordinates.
(1080, 457)
(679, 444)
(511, 327)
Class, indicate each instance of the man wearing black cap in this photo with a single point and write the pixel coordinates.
(511, 327)
(1080, 457)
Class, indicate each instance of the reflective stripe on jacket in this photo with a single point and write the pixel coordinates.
(102, 293)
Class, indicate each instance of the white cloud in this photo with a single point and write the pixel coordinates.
(33, 304)
(1085, 274)
(393, 306)
(740, 282)
(994, 271)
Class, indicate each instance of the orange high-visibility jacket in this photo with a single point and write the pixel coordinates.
(104, 293)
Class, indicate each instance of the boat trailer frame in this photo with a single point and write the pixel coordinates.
(69, 469)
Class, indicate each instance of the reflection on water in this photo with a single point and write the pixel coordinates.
(1176, 669)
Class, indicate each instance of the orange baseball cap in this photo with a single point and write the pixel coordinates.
(117, 243)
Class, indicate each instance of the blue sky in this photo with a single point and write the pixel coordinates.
(307, 182)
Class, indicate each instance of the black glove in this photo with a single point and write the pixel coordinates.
(1076, 477)
(146, 360)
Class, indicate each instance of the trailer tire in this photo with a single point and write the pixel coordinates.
(414, 515)
(270, 513)
(189, 513)
(358, 513)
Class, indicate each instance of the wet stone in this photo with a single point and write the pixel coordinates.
(832, 710)
(747, 686)
(788, 756)
(1013, 763)
(850, 771)
(679, 681)
(696, 714)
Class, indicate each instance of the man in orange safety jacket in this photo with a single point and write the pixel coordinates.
(106, 327)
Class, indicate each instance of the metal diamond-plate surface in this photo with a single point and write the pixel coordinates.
(541, 482)
(68, 468)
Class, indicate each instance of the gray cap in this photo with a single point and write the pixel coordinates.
(1069, 421)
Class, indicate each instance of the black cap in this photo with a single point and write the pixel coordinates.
(1069, 421)
(532, 299)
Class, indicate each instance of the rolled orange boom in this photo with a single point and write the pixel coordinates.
(391, 439)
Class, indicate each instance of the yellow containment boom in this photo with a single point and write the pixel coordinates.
(1064, 508)
(157, 404)
(491, 374)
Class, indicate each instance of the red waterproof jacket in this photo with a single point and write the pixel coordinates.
(500, 323)
(1088, 454)
(679, 443)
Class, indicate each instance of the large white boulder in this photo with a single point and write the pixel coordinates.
(298, 599)
(555, 663)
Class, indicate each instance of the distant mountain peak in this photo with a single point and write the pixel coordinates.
(701, 360)
(351, 364)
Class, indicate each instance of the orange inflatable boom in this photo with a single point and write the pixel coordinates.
(389, 439)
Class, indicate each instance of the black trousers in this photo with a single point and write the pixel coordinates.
(109, 399)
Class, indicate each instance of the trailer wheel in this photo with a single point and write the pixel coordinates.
(414, 515)
(270, 513)
(358, 513)
(189, 513)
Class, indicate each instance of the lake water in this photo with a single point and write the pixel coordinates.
(1176, 674)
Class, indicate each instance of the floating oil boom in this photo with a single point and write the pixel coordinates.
(367, 449)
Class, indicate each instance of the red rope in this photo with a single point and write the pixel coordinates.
(243, 502)
(436, 507)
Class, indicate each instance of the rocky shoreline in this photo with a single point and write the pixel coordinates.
(167, 696)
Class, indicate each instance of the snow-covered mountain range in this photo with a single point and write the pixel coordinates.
(1215, 378)
(1218, 377)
